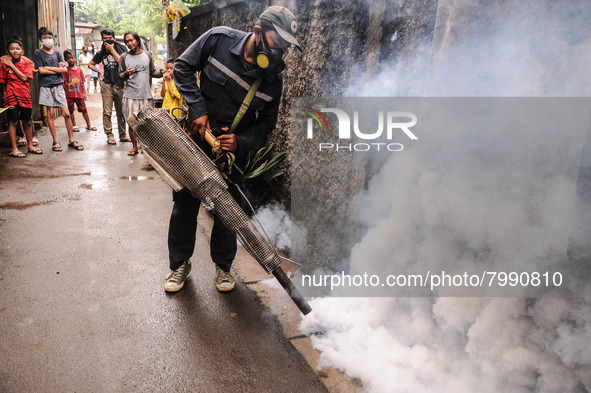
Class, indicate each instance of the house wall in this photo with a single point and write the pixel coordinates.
(17, 18)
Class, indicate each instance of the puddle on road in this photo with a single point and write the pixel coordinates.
(133, 178)
(32, 175)
(25, 206)
(22, 206)
(25, 322)
(102, 184)
(97, 185)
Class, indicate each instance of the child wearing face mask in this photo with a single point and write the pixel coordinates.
(51, 93)
(83, 61)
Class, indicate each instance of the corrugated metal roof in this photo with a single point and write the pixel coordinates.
(80, 23)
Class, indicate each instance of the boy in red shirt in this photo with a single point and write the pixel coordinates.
(15, 72)
(75, 92)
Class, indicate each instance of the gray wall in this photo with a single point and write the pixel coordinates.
(343, 42)
(409, 48)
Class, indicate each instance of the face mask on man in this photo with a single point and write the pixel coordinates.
(270, 59)
(47, 42)
(110, 42)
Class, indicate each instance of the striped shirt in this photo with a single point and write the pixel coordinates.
(18, 93)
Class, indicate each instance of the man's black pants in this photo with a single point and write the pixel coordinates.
(183, 227)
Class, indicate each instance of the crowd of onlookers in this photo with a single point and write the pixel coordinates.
(123, 73)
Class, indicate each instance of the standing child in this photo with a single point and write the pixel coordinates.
(171, 96)
(94, 75)
(75, 90)
(15, 72)
(51, 93)
(19, 130)
(98, 76)
(83, 61)
(136, 68)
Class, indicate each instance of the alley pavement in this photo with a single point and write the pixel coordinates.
(83, 258)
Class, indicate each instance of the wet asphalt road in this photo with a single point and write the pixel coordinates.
(83, 258)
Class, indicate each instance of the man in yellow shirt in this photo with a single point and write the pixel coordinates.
(171, 97)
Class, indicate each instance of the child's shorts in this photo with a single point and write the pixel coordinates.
(52, 96)
(19, 113)
(79, 103)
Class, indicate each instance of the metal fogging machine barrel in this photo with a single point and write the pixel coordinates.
(184, 165)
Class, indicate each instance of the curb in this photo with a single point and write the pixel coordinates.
(247, 270)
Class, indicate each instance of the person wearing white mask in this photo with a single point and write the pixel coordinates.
(51, 66)
(83, 61)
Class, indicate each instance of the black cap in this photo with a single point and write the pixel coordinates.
(283, 21)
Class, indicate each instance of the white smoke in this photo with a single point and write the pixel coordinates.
(421, 212)
(456, 345)
(393, 79)
(470, 344)
(273, 220)
(450, 201)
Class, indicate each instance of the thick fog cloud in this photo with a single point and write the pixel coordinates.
(416, 211)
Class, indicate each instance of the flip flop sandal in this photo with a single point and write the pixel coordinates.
(76, 129)
(17, 154)
(35, 141)
(111, 141)
(75, 145)
(22, 142)
(132, 153)
(91, 128)
(36, 151)
(125, 139)
(56, 146)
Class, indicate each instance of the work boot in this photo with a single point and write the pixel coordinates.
(176, 279)
(224, 281)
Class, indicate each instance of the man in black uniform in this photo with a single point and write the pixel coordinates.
(231, 62)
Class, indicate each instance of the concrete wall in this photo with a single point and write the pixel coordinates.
(408, 48)
(342, 41)
(345, 43)
(511, 48)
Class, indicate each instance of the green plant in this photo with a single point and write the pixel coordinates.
(143, 16)
(194, 3)
(262, 166)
